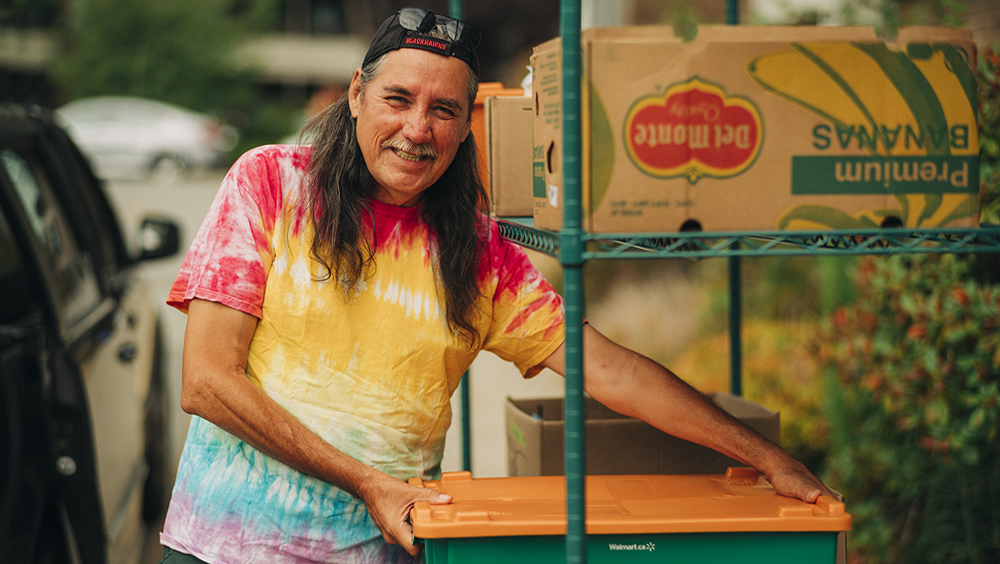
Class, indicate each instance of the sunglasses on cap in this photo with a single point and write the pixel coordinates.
(410, 28)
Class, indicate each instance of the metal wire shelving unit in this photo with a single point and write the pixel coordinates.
(700, 245)
(573, 247)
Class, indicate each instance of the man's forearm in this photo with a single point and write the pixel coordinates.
(215, 387)
(634, 385)
(245, 411)
(650, 392)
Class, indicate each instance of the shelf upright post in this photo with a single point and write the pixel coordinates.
(455, 11)
(735, 323)
(735, 278)
(571, 258)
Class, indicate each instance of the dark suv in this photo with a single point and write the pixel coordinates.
(81, 387)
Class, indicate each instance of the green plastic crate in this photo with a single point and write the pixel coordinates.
(675, 548)
(703, 519)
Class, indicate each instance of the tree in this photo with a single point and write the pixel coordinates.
(178, 51)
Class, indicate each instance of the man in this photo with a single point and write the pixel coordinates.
(335, 296)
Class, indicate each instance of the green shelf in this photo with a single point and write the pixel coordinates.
(985, 239)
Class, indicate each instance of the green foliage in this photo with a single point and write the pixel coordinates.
(258, 16)
(684, 19)
(179, 51)
(779, 374)
(915, 415)
(897, 13)
(778, 288)
(988, 78)
(268, 122)
(28, 13)
(937, 12)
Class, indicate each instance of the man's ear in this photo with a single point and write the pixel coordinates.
(354, 93)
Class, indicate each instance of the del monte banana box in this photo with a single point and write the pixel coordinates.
(763, 128)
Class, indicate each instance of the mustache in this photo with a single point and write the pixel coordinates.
(407, 146)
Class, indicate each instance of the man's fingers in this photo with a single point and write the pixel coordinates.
(405, 538)
(404, 533)
(814, 491)
(800, 485)
(401, 535)
(439, 499)
(808, 491)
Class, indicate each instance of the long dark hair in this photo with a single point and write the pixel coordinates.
(342, 188)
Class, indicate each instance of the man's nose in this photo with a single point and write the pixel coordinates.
(417, 127)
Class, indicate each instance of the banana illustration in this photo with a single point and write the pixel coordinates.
(883, 103)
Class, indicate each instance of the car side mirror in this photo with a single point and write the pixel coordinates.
(158, 238)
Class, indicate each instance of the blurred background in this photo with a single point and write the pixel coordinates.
(262, 66)
(886, 371)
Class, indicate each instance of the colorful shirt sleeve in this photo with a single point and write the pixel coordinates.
(230, 256)
(528, 314)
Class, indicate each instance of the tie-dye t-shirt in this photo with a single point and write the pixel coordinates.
(371, 372)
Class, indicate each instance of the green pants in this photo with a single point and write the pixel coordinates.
(171, 556)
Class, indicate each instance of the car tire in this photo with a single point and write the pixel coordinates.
(167, 169)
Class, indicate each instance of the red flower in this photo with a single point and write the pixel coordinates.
(961, 296)
(917, 331)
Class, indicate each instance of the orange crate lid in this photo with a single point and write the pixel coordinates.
(735, 502)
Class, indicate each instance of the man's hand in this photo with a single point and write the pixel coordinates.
(389, 501)
(792, 479)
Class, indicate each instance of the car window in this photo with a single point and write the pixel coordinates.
(14, 286)
(98, 216)
(76, 286)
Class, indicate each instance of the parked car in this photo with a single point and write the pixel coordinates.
(126, 137)
(82, 392)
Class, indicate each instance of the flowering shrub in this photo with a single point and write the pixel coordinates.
(915, 417)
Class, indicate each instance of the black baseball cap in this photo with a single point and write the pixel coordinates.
(409, 28)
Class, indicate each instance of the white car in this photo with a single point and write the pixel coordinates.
(136, 138)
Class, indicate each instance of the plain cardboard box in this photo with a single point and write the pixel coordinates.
(617, 444)
(763, 128)
(478, 128)
(508, 142)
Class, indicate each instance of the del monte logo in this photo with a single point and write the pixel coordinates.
(693, 130)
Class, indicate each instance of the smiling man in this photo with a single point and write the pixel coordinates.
(336, 293)
(411, 120)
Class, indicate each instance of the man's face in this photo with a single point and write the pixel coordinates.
(410, 121)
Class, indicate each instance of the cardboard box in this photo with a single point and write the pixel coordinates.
(763, 128)
(617, 444)
(508, 142)
(486, 90)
